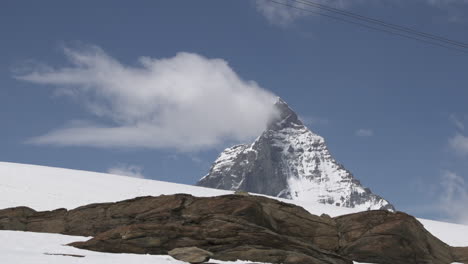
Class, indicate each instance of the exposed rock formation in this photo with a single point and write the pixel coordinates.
(385, 237)
(240, 227)
(290, 161)
(191, 255)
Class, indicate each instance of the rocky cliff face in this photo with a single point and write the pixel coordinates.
(290, 161)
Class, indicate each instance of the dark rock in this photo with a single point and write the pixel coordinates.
(460, 254)
(64, 255)
(389, 238)
(15, 218)
(222, 225)
(240, 227)
(49, 222)
(192, 255)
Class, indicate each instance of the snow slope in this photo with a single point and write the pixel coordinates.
(42, 248)
(46, 188)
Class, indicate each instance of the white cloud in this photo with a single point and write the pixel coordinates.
(459, 143)
(364, 132)
(454, 197)
(127, 170)
(187, 102)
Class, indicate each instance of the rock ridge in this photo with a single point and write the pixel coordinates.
(242, 227)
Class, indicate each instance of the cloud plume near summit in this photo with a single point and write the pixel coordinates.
(187, 102)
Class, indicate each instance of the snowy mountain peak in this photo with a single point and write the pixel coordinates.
(286, 117)
(289, 161)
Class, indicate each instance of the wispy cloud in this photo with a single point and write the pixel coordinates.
(447, 197)
(453, 188)
(457, 122)
(127, 170)
(279, 14)
(187, 102)
(459, 143)
(454, 197)
(285, 12)
(454, 9)
(446, 2)
(363, 132)
(314, 120)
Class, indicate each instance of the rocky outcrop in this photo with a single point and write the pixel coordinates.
(191, 255)
(389, 238)
(242, 227)
(289, 161)
(460, 254)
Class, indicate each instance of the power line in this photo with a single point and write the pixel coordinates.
(389, 31)
(382, 23)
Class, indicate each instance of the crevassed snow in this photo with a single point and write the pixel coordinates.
(47, 188)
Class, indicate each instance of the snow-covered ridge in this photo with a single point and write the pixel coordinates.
(47, 188)
(290, 161)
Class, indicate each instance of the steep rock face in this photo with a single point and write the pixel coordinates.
(290, 161)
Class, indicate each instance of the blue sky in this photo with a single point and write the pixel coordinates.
(392, 110)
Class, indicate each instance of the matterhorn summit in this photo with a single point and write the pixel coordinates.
(288, 160)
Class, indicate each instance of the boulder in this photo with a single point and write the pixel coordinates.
(192, 255)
